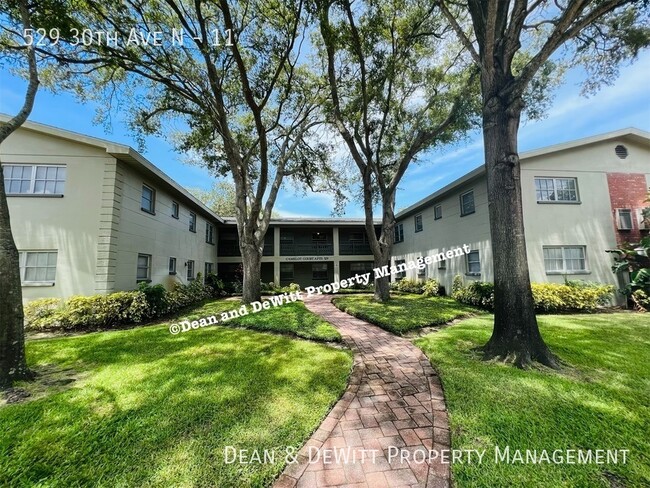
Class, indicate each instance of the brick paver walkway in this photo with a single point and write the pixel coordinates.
(389, 423)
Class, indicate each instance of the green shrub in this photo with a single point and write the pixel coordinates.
(641, 299)
(123, 307)
(430, 288)
(42, 314)
(548, 297)
(457, 285)
(406, 285)
(217, 285)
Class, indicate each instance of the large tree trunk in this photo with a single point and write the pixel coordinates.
(382, 285)
(13, 365)
(252, 263)
(516, 336)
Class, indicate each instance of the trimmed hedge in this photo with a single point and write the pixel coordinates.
(122, 307)
(573, 296)
(428, 288)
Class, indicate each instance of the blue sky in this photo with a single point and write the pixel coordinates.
(624, 104)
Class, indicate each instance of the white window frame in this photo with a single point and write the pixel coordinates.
(192, 222)
(22, 264)
(399, 232)
(555, 179)
(190, 270)
(209, 233)
(619, 220)
(176, 209)
(172, 265)
(462, 203)
(437, 212)
(564, 269)
(469, 262)
(33, 179)
(138, 279)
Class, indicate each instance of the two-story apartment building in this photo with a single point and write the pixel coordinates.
(580, 199)
(91, 216)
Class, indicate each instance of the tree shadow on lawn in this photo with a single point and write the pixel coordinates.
(159, 410)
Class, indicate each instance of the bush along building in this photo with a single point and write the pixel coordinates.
(92, 217)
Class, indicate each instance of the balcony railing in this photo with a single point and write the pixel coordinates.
(231, 248)
(353, 248)
(320, 249)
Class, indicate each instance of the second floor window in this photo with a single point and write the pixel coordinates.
(437, 212)
(556, 189)
(467, 203)
(624, 218)
(148, 203)
(37, 179)
(192, 222)
(209, 233)
(175, 210)
(418, 223)
(399, 232)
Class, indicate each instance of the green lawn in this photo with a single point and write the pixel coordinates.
(601, 402)
(291, 319)
(404, 313)
(153, 409)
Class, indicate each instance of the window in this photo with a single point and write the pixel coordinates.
(192, 222)
(319, 271)
(190, 270)
(399, 232)
(556, 190)
(418, 223)
(148, 203)
(442, 264)
(437, 212)
(286, 271)
(565, 259)
(172, 266)
(467, 203)
(209, 233)
(208, 269)
(175, 210)
(473, 263)
(422, 273)
(144, 268)
(37, 266)
(401, 274)
(624, 218)
(360, 267)
(36, 179)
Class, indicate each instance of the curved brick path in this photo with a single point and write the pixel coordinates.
(394, 399)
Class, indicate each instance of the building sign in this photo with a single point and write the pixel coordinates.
(307, 258)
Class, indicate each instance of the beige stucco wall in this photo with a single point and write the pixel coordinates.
(160, 235)
(589, 223)
(69, 224)
(449, 232)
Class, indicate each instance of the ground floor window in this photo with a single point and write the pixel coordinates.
(286, 271)
(144, 268)
(401, 274)
(37, 266)
(208, 269)
(362, 267)
(319, 271)
(172, 266)
(190, 270)
(473, 263)
(565, 259)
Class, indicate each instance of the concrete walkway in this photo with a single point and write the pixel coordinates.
(389, 423)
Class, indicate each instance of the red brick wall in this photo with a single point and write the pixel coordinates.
(627, 190)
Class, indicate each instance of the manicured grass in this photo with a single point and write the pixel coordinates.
(291, 319)
(602, 401)
(404, 313)
(153, 409)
